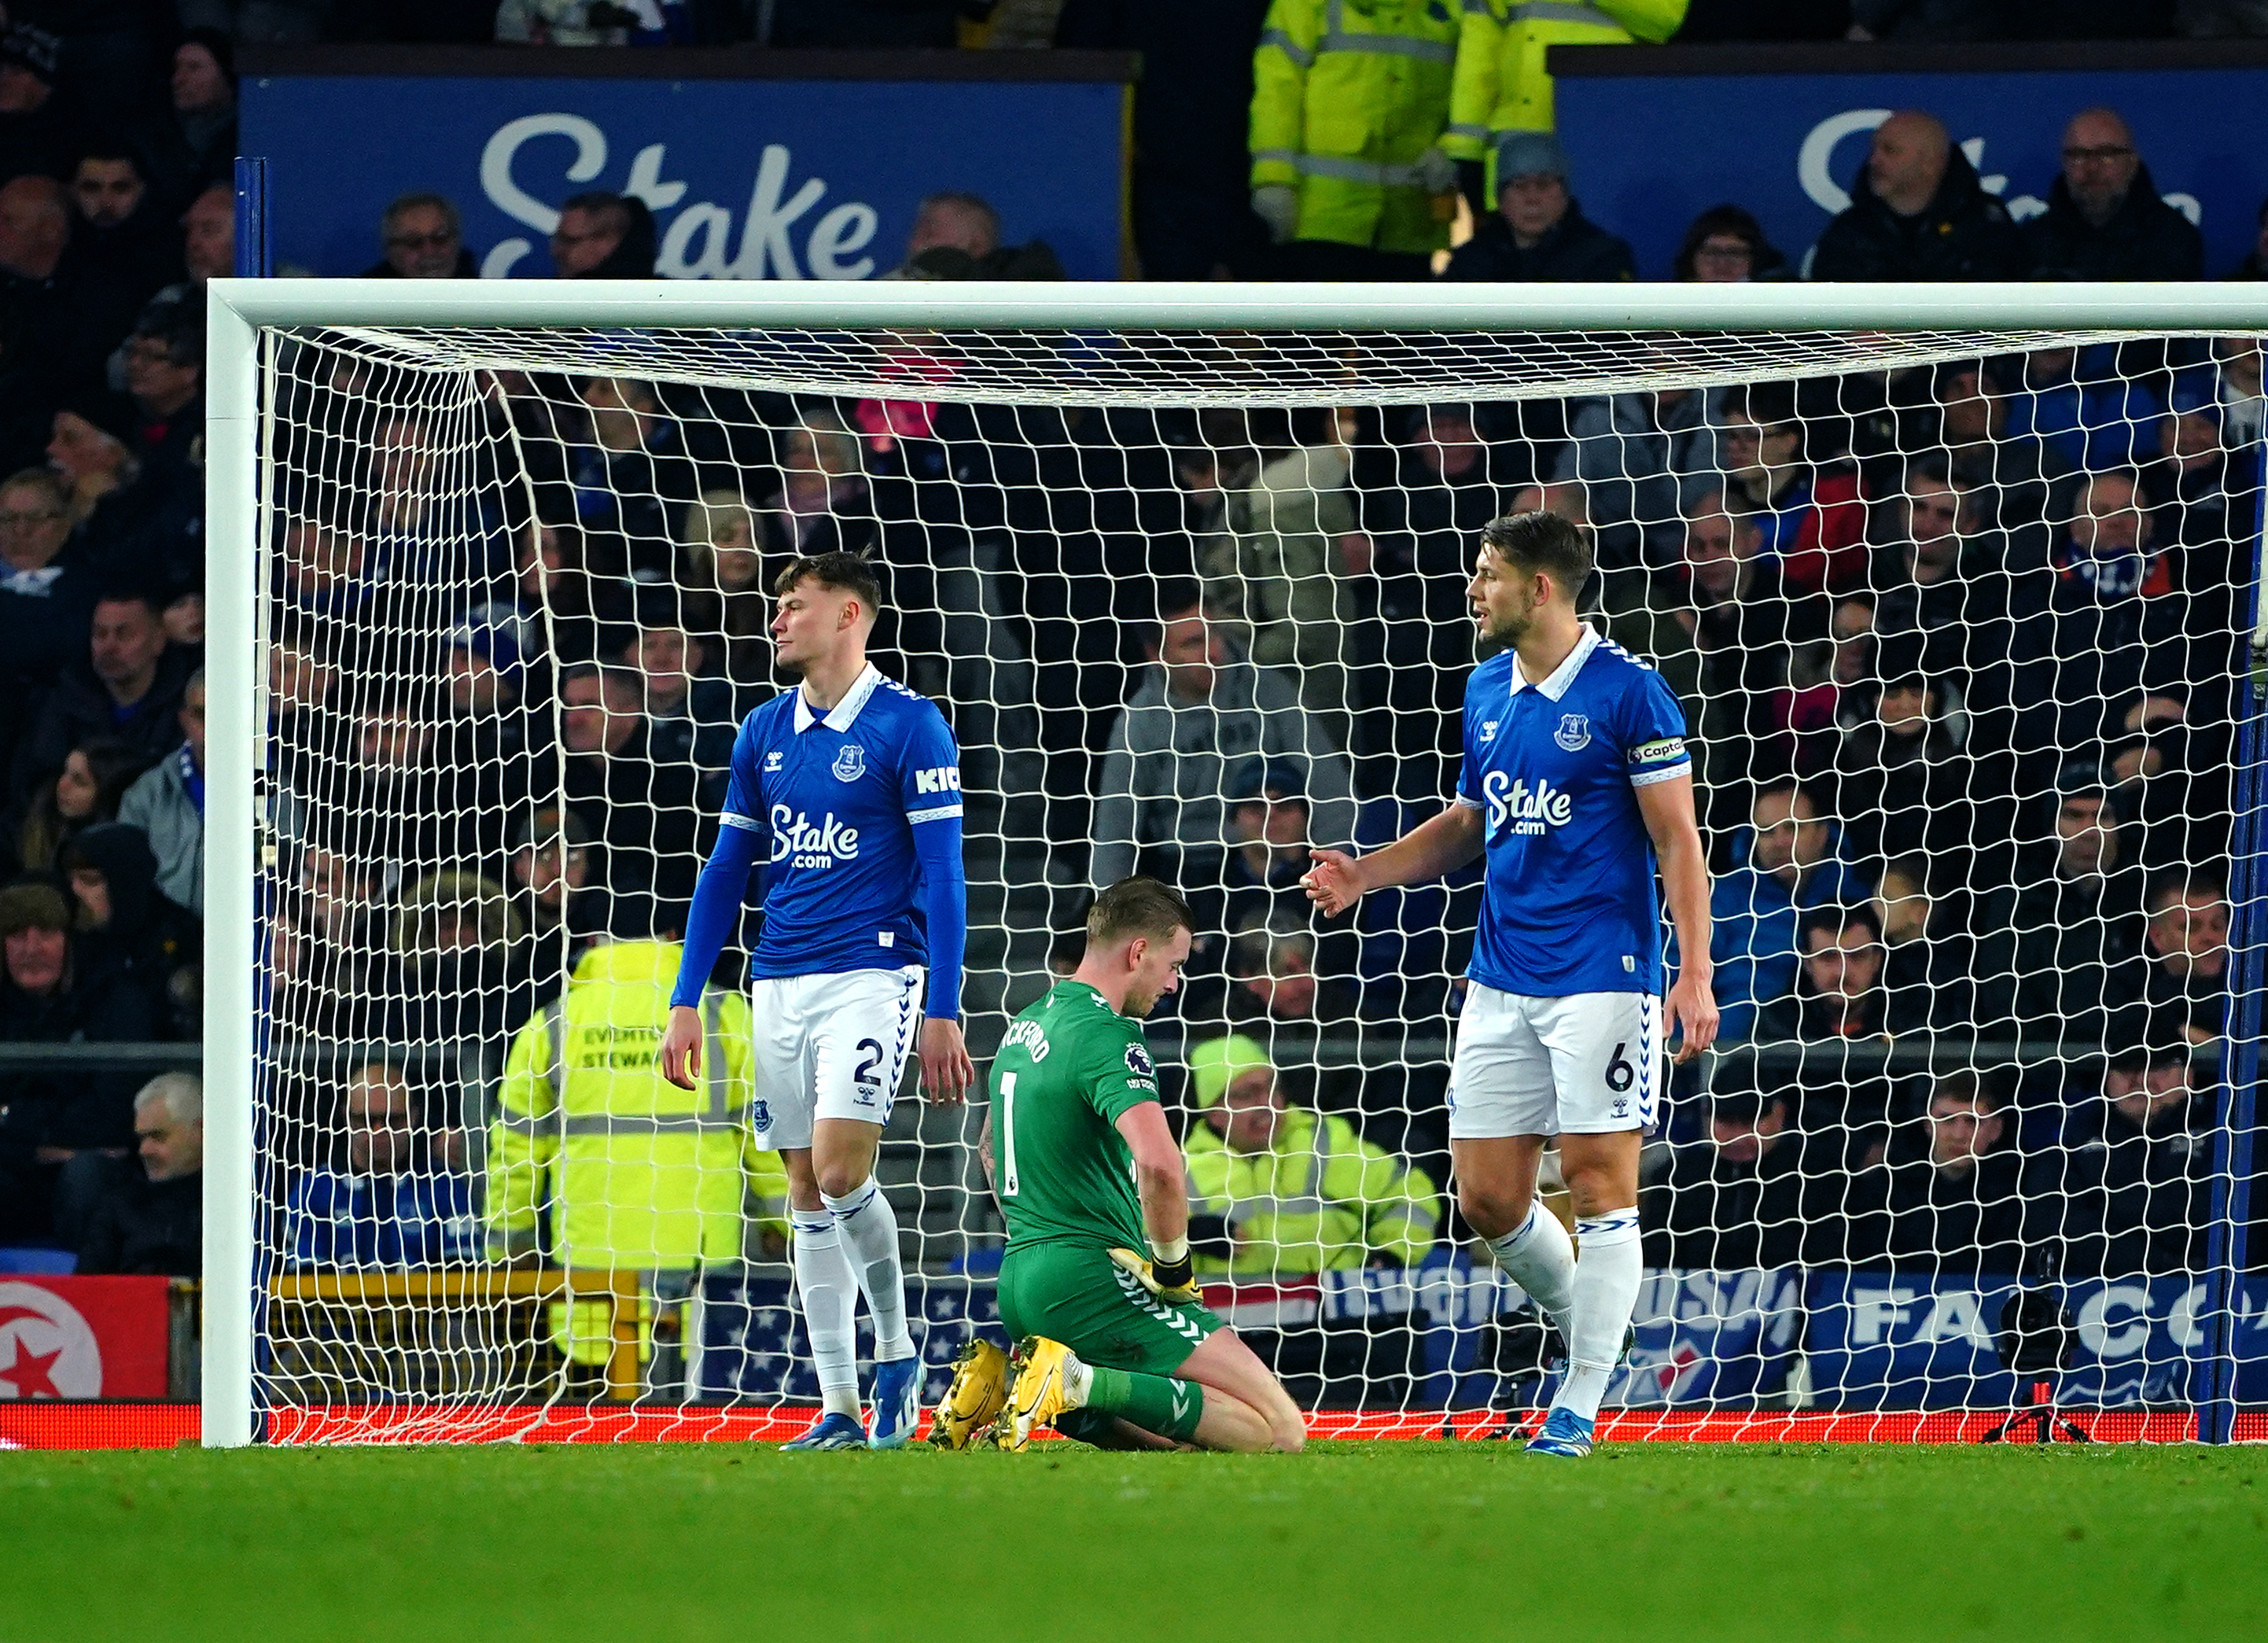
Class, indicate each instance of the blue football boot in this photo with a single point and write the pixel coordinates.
(830, 1432)
(897, 1404)
(1566, 1434)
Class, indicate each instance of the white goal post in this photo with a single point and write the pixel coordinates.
(1495, 342)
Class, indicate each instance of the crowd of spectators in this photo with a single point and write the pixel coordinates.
(1956, 642)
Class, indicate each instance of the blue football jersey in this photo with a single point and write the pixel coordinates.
(833, 802)
(1570, 904)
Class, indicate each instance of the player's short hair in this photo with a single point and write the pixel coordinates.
(1136, 907)
(844, 572)
(1542, 542)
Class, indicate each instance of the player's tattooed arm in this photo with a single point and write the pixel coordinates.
(1428, 850)
(1691, 1007)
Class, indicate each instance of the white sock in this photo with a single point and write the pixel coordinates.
(1606, 1274)
(1541, 1258)
(830, 1311)
(869, 1236)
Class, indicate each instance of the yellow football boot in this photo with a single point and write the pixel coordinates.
(1040, 1393)
(979, 1390)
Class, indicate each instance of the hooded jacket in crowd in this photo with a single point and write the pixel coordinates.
(1962, 234)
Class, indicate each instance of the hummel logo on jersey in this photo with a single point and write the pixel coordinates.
(1516, 806)
(850, 762)
(1574, 732)
(944, 779)
(771, 763)
(1488, 730)
(821, 846)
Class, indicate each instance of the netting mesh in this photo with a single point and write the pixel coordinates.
(1956, 620)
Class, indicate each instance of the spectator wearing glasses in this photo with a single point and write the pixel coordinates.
(424, 238)
(1725, 245)
(2105, 219)
(47, 594)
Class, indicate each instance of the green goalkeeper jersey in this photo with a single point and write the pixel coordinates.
(1070, 1067)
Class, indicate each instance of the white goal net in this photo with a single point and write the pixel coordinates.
(1959, 621)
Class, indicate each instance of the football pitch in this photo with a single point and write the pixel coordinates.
(1408, 1540)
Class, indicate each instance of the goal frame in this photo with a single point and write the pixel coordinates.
(239, 310)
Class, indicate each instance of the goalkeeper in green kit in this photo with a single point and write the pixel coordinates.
(1095, 1285)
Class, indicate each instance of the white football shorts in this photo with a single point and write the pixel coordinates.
(831, 1047)
(1587, 1063)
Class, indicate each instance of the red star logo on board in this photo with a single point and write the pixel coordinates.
(31, 1374)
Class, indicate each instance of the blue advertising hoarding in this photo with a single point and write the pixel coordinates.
(754, 178)
(1651, 153)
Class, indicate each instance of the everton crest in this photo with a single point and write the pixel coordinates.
(1574, 732)
(850, 762)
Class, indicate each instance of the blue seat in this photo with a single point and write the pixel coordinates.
(35, 1262)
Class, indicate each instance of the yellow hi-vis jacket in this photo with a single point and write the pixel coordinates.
(1346, 95)
(1320, 1198)
(639, 1175)
(1502, 83)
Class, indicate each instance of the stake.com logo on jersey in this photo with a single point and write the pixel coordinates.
(1513, 806)
(821, 846)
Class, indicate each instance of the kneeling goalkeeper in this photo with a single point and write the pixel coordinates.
(1114, 1349)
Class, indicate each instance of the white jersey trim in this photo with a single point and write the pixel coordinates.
(1563, 676)
(1647, 778)
(845, 713)
(1470, 804)
(937, 812)
(749, 822)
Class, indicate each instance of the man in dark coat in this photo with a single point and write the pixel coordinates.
(51, 994)
(1743, 1195)
(148, 1216)
(123, 228)
(1918, 212)
(2105, 219)
(130, 688)
(1538, 231)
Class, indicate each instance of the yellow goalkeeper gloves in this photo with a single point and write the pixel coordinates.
(1175, 1284)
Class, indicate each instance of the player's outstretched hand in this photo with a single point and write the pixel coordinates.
(1180, 1292)
(1692, 1013)
(681, 1046)
(1335, 882)
(946, 1069)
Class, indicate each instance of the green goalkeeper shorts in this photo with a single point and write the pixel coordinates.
(1077, 1295)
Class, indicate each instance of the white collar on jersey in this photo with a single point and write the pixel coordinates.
(845, 713)
(1563, 676)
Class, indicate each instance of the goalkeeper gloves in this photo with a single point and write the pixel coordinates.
(1175, 1283)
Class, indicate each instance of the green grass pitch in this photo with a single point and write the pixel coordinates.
(1412, 1540)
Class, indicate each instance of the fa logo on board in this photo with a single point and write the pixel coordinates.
(1574, 732)
(850, 762)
